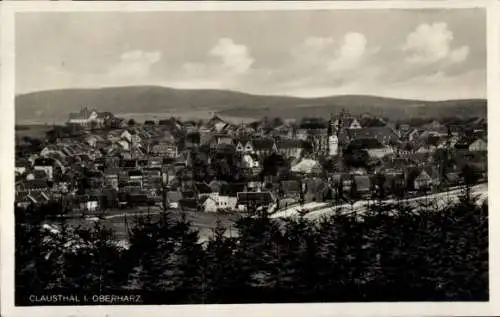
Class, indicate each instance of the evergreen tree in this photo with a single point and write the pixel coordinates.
(220, 271)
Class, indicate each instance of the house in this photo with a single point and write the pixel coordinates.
(262, 147)
(195, 139)
(363, 184)
(284, 130)
(124, 145)
(290, 147)
(478, 145)
(411, 134)
(22, 165)
(221, 139)
(316, 135)
(173, 198)
(250, 200)
(214, 202)
(25, 199)
(92, 140)
(384, 135)
(426, 178)
(290, 188)
(452, 179)
(165, 150)
(214, 121)
(52, 149)
(423, 181)
(126, 135)
(348, 123)
(373, 146)
(47, 165)
(111, 179)
(448, 143)
(136, 175)
(255, 146)
(307, 166)
(89, 118)
(243, 145)
(426, 148)
(155, 162)
(129, 164)
(368, 121)
(89, 203)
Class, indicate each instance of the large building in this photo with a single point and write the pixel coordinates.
(89, 118)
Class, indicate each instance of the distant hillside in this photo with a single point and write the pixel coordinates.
(54, 105)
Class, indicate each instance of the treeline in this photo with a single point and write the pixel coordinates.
(389, 253)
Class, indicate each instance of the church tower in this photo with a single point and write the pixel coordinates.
(333, 141)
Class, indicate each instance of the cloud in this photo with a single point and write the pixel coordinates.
(351, 53)
(326, 54)
(431, 43)
(134, 64)
(234, 57)
(226, 65)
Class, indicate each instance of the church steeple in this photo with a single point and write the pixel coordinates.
(330, 125)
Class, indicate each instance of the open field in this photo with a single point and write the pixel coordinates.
(203, 221)
(36, 131)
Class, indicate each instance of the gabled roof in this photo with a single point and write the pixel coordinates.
(35, 184)
(83, 114)
(260, 198)
(370, 122)
(262, 144)
(289, 143)
(203, 188)
(373, 132)
(43, 162)
(366, 143)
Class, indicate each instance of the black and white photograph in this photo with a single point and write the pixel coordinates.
(192, 157)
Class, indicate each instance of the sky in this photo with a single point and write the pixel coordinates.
(431, 54)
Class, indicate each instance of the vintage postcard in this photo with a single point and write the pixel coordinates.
(223, 158)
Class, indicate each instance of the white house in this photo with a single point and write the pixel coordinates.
(348, 123)
(250, 162)
(124, 145)
(479, 145)
(380, 152)
(88, 118)
(216, 202)
(125, 135)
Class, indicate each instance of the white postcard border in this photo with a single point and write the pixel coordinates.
(326, 309)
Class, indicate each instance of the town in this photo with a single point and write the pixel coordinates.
(98, 163)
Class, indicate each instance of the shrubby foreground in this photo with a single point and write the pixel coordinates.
(390, 253)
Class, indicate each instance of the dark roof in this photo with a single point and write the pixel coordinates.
(43, 162)
(289, 143)
(290, 186)
(203, 188)
(263, 144)
(174, 196)
(39, 174)
(36, 184)
(365, 143)
(216, 185)
(380, 133)
(363, 182)
(129, 163)
(95, 174)
(313, 123)
(370, 122)
(135, 173)
(260, 198)
(22, 162)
